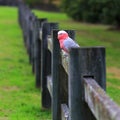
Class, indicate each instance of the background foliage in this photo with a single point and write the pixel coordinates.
(94, 11)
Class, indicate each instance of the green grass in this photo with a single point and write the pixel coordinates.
(94, 35)
(19, 98)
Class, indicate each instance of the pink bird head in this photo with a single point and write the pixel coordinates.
(62, 35)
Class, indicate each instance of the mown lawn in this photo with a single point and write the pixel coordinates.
(19, 98)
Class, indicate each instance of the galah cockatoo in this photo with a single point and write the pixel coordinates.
(65, 41)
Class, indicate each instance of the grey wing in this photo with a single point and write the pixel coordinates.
(69, 43)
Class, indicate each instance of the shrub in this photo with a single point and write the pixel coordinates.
(95, 11)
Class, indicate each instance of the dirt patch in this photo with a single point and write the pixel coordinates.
(115, 72)
(3, 118)
(9, 88)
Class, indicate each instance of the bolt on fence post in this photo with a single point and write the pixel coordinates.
(84, 62)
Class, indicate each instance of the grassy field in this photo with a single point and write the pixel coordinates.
(19, 99)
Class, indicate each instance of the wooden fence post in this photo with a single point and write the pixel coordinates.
(84, 62)
(55, 78)
(31, 38)
(37, 48)
(46, 63)
(39, 23)
(59, 78)
(33, 43)
(27, 42)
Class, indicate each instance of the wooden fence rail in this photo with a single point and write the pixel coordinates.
(72, 86)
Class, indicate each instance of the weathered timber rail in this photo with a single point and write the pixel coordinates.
(72, 86)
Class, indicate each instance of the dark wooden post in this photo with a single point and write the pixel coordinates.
(31, 38)
(27, 30)
(40, 22)
(84, 62)
(55, 77)
(64, 76)
(59, 78)
(25, 24)
(36, 55)
(33, 43)
(46, 63)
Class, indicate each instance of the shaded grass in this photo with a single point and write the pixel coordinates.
(19, 99)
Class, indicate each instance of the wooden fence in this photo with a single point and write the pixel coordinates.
(72, 86)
